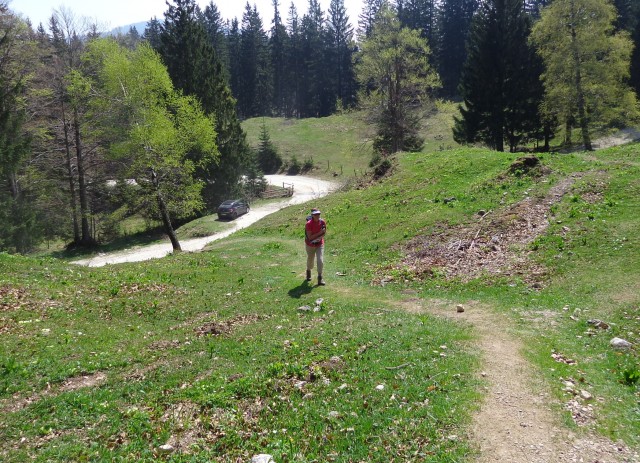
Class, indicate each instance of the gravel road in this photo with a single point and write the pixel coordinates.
(304, 189)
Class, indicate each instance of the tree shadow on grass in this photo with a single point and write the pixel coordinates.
(298, 291)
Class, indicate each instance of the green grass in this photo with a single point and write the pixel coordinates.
(208, 351)
(338, 145)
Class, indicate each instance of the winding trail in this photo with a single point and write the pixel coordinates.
(304, 189)
(516, 422)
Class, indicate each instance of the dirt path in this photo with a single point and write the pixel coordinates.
(516, 423)
(305, 189)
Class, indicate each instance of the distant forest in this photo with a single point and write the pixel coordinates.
(95, 130)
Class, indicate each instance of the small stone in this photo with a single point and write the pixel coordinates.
(585, 395)
(334, 414)
(619, 343)
(262, 458)
(166, 448)
(459, 308)
(380, 387)
(598, 324)
(319, 301)
(304, 308)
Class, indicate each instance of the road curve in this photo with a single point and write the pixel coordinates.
(304, 189)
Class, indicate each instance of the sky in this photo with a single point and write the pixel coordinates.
(111, 14)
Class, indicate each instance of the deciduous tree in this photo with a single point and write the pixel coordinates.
(152, 129)
(586, 65)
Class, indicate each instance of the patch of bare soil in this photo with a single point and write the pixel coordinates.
(17, 403)
(13, 299)
(498, 243)
(218, 328)
(516, 423)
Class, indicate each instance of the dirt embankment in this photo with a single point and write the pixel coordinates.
(496, 242)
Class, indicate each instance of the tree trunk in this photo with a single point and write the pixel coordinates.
(582, 112)
(82, 186)
(164, 214)
(13, 185)
(72, 183)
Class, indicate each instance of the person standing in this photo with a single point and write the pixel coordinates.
(314, 243)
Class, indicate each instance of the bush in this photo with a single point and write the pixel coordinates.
(294, 167)
(307, 165)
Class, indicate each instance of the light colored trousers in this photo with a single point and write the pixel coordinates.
(318, 253)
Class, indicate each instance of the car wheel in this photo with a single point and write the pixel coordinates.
(234, 216)
(247, 209)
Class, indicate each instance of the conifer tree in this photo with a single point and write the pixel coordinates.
(367, 18)
(498, 86)
(295, 61)
(194, 69)
(340, 51)
(215, 28)
(278, 44)
(314, 74)
(419, 15)
(255, 93)
(152, 33)
(454, 21)
(269, 160)
(393, 63)
(233, 44)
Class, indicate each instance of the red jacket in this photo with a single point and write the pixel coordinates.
(313, 227)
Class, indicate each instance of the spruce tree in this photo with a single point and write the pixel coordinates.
(278, 44)
(152, 33)
(269, 160)
(419, 15)
(454, 20)
(195, 69)
(367, 18)
(498, 84)
(215, 28)
(255, 93)
(393, 63)
(295, 61)
(233, 44)
(314, 99)
(340, 51)
(16, 214)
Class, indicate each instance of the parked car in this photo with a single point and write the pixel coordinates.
(232, 208)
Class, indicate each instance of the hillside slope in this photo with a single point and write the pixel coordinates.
(228, 353)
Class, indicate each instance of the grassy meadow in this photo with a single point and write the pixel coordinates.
(228, 353)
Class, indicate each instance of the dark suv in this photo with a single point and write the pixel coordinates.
(232, 208)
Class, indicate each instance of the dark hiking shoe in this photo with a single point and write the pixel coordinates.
(308, 275)
(321, 281)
